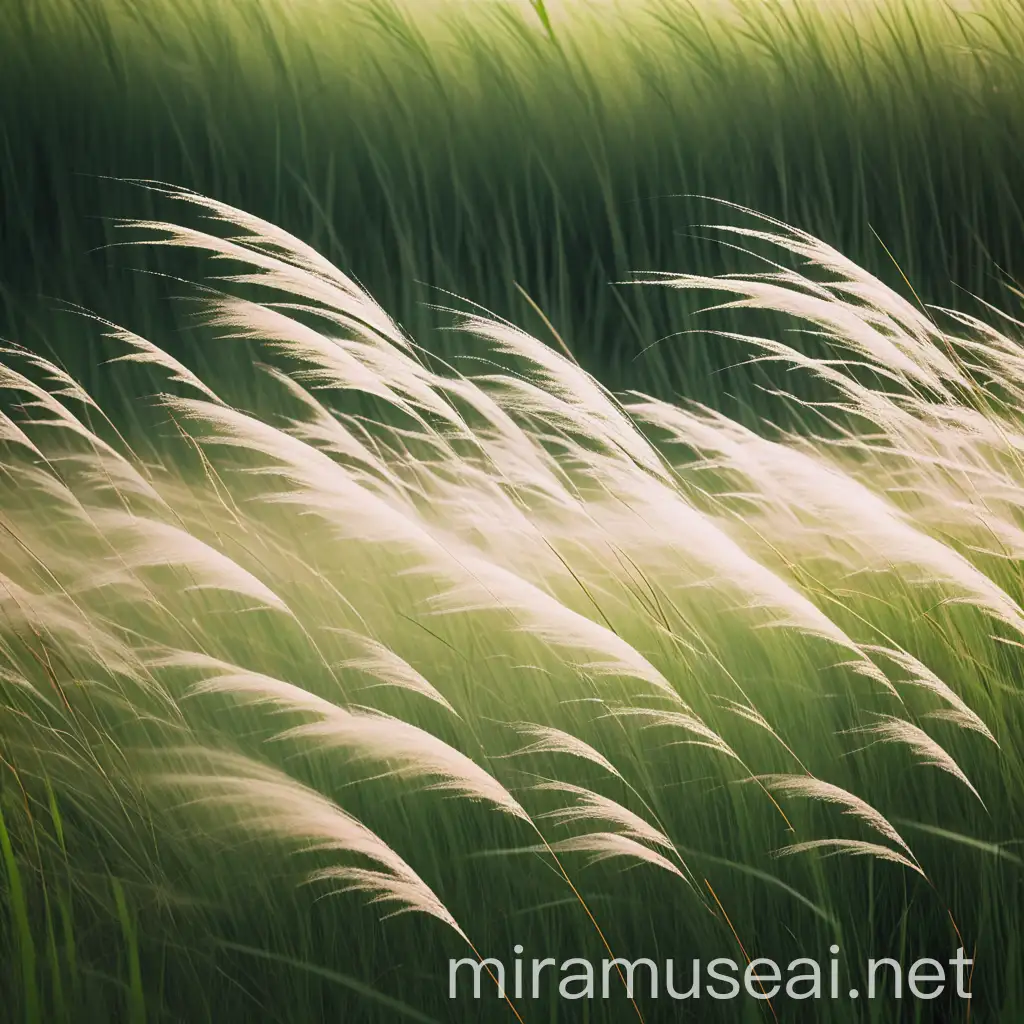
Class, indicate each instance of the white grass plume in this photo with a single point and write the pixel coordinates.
(409, 753)
(256, 688)
(591, 806)
(853, 848)
(389, 668)
(919, 675)
(810, 486)
(350, 305)
(604, 846)
(263, 238)
(267, 802)
(492, 586)
(319, 484)
(121, 472)
(561, 386)
(812, 788)
(889, 729)
(362, 734)
(150, 544)
(546, 739)
(704, 735)
(145, 353)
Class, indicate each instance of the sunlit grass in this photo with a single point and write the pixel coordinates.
(458, 646)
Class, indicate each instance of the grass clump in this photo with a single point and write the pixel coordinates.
(406, 663)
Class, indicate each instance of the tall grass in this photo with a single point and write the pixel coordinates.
(463, 147)
(409, 662)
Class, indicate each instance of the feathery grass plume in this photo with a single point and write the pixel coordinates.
(362, 734)
(61, 383)
(268, 802)
(120, 473)
(688, 723)
(881, 325)
(511, 448)
(260, 238)
(145, 353)
(322, 486)
(149, 544)
(853, 848)
(389, 668)
(254, 687)
(558, 386)
(57, 619)
(328, 433)
(889, 729)
(812, 788)
(603, 846)
(749, 713)
(842, 323)
(333, 363)
(353, 309)
(919, 675)
(543, 616)
(694, 536)
(11, 433)
(802, 483)
(365, 734)
(547, 739)
(593, 806)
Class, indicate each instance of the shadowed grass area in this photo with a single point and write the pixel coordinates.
(463, 147)
(299, 700)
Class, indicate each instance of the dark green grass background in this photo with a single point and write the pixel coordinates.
(469, 151)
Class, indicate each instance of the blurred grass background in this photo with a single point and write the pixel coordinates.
(461, 146)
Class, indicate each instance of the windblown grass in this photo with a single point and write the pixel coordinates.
(300, 700)
(457, 146)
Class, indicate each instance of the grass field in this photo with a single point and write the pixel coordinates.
(334, 646)
(463, 149)
(439, 644)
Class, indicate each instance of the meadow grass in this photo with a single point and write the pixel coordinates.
(464, 147)
(412, 661)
